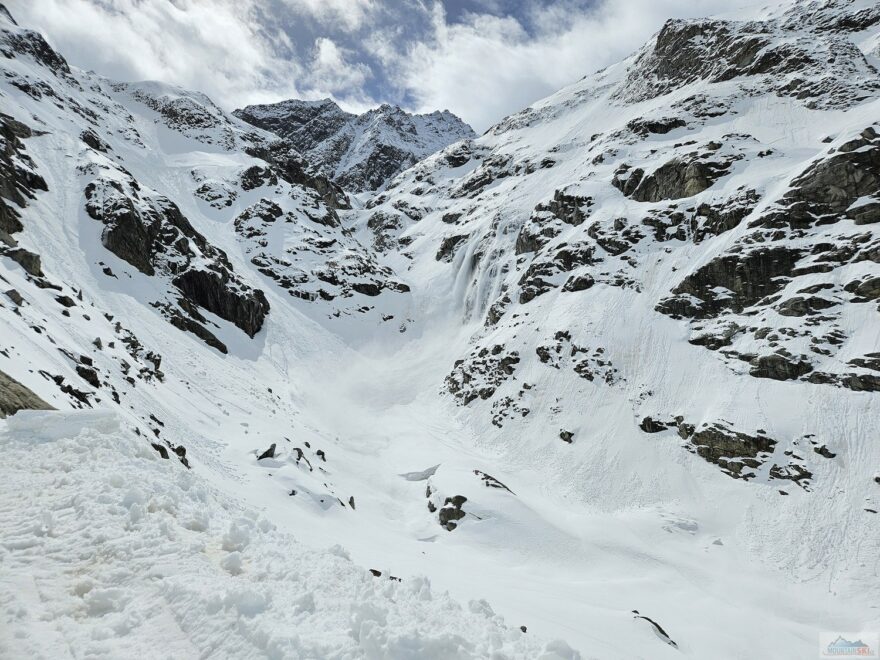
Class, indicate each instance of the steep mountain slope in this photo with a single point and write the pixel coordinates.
(612, 366)
(359, 152)
(670, 268)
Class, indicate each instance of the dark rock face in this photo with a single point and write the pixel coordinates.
(717, 444)
(857, 382)
(14, 397)
(384, 226)
(801, 306)
(211, 290)
(780, 367)
(689, 172)
(570, 209)
(447, 249)
(615, 237)
(379, 167)
(150, 233)
(776, 56)
(290, 166)
(538, 277)
(359, 152)
(31, 44)
(737, 453)
(750, 276)
(644, 127)
(715, 219)
(89, 375)
(827, 189)
(186, 318)
(672, 180)
(127, 235)
(306, 124)
(15, 297)
(649, 425)
(578, 283)
(19, 181)
(537, 231)
(27, 260)
(91, 139)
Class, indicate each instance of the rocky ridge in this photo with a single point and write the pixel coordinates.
(359, 152)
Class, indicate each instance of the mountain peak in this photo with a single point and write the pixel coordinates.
(360, 152)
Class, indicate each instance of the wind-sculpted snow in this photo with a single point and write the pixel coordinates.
(612, 366)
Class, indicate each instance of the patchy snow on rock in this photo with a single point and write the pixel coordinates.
(361, 152)
(609, 371)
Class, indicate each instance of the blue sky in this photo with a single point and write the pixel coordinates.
(482, 59)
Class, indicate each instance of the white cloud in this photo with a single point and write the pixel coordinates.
(347, 14)
(211, 47)
(359, 52)
(489, 66)
(331, 70)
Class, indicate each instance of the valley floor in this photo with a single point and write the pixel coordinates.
(105, 550)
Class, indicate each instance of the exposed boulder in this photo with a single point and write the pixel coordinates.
(448, 247)
(674, 179)
(28, 260)
(451, 511)
(14, 397)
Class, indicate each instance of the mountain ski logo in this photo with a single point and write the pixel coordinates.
(848, 645)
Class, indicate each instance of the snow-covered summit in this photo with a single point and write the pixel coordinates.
(360, 152)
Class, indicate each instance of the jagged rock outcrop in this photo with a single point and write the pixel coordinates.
(19, 181)
(359, 152)
(782, 56)
(149, 232)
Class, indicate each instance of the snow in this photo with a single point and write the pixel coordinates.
(349, 146)
(107, 550)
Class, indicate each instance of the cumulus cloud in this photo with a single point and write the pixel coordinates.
(332, 70)
(489, 65)
(482, 59)
(347, 14)
(212, 47)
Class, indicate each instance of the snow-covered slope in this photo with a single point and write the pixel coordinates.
(612, 366)
(109, 551)
(360, 152)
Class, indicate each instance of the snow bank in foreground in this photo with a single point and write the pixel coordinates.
(106, 550)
